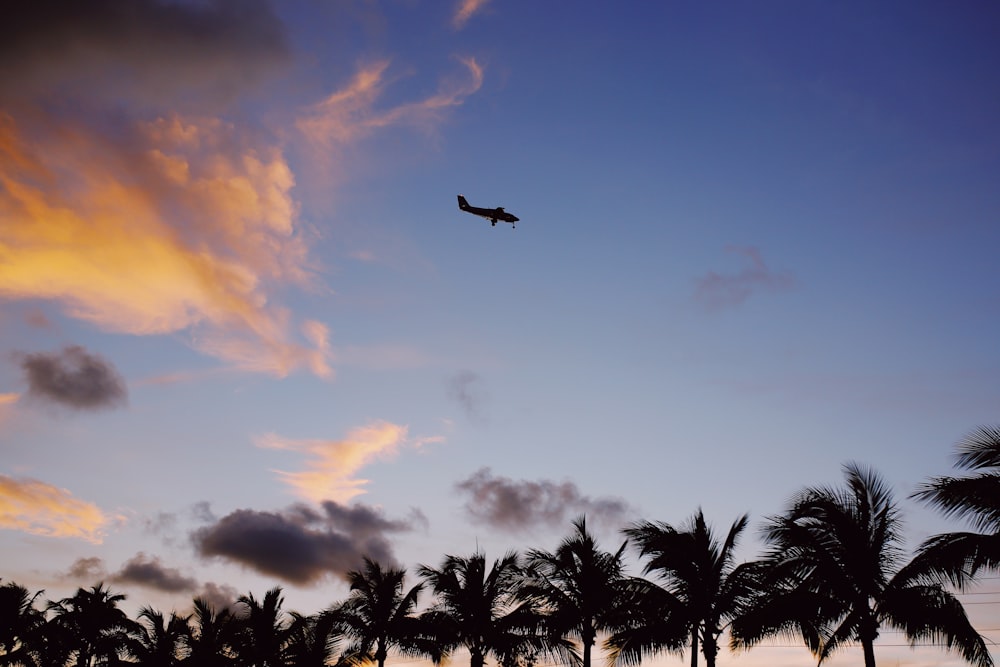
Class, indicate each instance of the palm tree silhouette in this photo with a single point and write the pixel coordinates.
(834, 578)
(262, 629)
(21, 625)
(161, 642)
(480, 610)
(92, 626)
(702, 589)
(580, 589)
(213, 635)
(958, 557)
(313, 640)
(379, 616)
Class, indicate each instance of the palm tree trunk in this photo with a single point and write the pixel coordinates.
(694, 648)
(869, 648)
(710, 647)
(588, 636)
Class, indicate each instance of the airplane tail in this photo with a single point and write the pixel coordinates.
(462, 204)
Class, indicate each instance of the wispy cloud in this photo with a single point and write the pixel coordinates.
(351, 113)
(722, 290)
(75, 378)
(302, 545)
(183, 229)
(466, 388)
(519, 505)
(42, 509)
(333, 465)
(464, 11)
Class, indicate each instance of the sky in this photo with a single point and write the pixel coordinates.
(247, 336)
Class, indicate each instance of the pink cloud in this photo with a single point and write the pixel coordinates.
(332, 466)
(186, 229)
(42, 509)
(464, 11)
(351, 114)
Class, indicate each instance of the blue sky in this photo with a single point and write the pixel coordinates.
(756, 241)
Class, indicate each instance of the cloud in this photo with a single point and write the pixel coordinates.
(86, 569)
(150, 572)
(506, 504)
(332, 465)
(74, 378)
(185, 227)
(724, 290)
(301, 545)
(350, 114)
(219, 596)
(148, 50)
(464, 11)
(36, 319)
(42, 509)
(466, 389)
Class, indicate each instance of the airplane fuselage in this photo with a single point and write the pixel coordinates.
(492, 214)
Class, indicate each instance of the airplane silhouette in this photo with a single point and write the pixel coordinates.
(491, 214)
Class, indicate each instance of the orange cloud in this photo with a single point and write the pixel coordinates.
(464, 11)
(350, 114)
(334, 464)
(42, 509)
(183, 229)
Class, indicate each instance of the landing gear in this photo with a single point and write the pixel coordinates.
(494, 223)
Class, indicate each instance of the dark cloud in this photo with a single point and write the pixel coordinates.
(218, 596)
(86, 570)
(718, 290)
(149, 571)
(466, 388)
(75, 378)
(301, 545)
(141, 570)
(149, 48)
(506, 504)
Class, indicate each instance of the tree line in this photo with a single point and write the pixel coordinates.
(833, 573)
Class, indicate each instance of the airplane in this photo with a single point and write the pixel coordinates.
(491, 214)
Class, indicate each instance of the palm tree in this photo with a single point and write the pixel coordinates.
(312, 640)
(262, 630)
(702, 589)
(379, 616)
(20, 626)
(213, 636)
(960, 556)
(93, 626)
(580, 589)
(833, 577)
(480, 610)
(162, 642)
